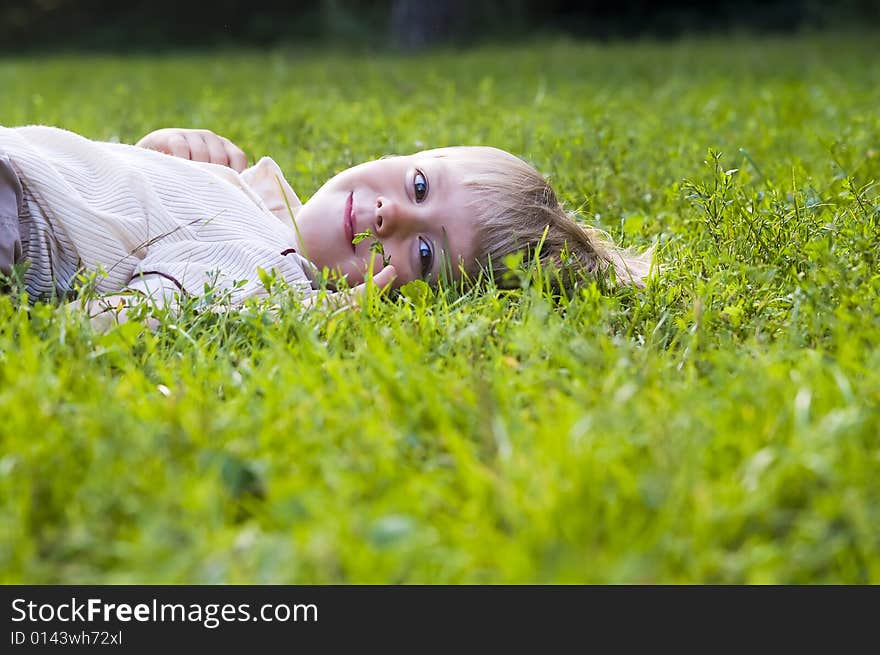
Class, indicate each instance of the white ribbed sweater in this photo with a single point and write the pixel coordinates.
(148, 218)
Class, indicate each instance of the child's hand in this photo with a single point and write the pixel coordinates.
(382, 279)
(197, 145)
(351, 299)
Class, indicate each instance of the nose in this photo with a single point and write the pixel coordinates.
(389, 216)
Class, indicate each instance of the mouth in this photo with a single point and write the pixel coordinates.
(348, 221)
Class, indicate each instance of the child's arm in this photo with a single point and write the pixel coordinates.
(264, 177)
(197, 145)
(106, 311)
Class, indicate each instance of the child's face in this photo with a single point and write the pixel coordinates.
(414, 205)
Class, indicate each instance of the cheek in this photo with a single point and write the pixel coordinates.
(396, 254)
(317, 212)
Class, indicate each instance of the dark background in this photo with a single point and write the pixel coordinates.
(27, 25)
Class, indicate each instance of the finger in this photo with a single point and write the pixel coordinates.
(156, 140)
(237, 158)
(198, 149)
(385, 277)
(381, 279)
(176, 145)
(216, 150)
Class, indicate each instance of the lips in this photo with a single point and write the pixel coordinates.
(348, 221)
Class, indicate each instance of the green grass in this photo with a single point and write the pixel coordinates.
(721, 426)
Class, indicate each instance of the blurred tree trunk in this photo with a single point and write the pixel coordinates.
(418, 24)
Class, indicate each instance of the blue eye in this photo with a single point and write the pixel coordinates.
(426, 257)
(420, 186)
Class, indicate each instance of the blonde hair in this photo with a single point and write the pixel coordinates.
(516, 210)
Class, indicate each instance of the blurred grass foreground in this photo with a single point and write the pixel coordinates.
(721, 426)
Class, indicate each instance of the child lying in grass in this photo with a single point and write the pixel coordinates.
(162, 225)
